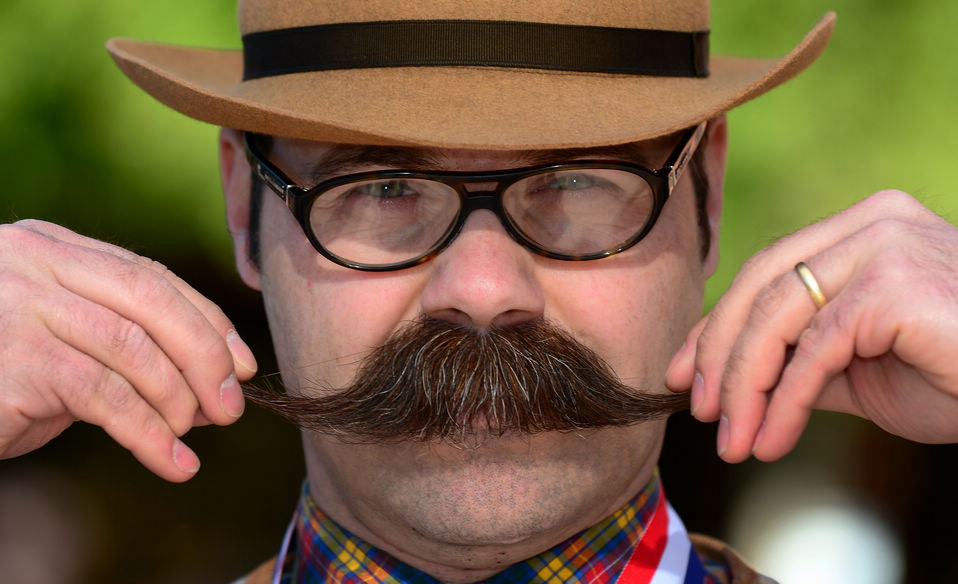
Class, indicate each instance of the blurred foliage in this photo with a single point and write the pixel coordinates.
(81, 146)
(876, 112)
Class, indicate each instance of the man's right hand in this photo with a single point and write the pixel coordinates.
(92, 332)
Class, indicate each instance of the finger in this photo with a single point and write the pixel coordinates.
(200, 420)
(811, 380)
(680, 373)
(147, 297)
(823, 343)
(95, 394)
(244, 361)
(814, 376)
(730, 314)
(875, 345)
(780, 313)
(124, 347)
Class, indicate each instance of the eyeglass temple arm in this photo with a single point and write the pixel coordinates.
(677, 167)
(277, 182)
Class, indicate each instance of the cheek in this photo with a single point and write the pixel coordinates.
(634, 309)
(324, 317)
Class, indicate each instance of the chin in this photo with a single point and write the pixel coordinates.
(515, 494)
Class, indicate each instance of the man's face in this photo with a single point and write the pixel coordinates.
(463, 506)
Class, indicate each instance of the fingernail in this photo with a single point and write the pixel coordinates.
(184, 458)
(698, 391)
(231, 396)
(722, 441)
(241, 352)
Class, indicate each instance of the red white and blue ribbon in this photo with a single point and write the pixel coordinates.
(665, 554)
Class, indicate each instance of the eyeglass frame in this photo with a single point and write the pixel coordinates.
(299, 200)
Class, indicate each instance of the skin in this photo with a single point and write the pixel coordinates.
(96, 333)
(882, 348)
(93, 332)
(464, 514)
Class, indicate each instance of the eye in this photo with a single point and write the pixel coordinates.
(385, 189)
(572, 182)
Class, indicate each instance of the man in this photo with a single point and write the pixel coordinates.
(504, 477)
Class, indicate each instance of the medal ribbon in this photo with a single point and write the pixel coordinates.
(665, 554)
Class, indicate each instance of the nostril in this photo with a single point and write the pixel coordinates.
(452, 315)
(503, 319)
(512, 318)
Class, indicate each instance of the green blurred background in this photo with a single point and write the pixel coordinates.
(81, 146)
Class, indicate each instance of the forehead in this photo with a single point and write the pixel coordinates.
(316, 161)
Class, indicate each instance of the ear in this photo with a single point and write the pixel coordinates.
(715, 159)
(235, 174)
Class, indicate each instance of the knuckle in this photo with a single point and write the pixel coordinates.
(898, 204)
(130, 342)
(16, 291)
(114, 391)
(893, 262)
(888, 230)
(169, 384)
(83, 383)
(147, 286)
(769, 301)
(208, 348)
(808, 353)
(138, 360)
(33, 224)
(148, 428)
(734, 366)
(70, 376)
(132, 347)
(137, 428)
(24, 226)
(157, 267)
(807, 347)
(705, 340)
(21, 302)
(893, 199)
(28, 351)
(21, 237)
(758, 262)
(216, 317)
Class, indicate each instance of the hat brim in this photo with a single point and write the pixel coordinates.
(453, 107)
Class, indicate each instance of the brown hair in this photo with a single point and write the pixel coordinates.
(436, 380)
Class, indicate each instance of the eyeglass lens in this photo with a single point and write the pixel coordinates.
(572, 212)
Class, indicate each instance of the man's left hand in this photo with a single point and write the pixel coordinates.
(883, 347)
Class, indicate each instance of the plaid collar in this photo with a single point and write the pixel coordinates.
(327, 553)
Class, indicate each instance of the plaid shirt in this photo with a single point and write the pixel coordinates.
(325, 552)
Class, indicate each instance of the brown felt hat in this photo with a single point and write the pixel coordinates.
(492, 74)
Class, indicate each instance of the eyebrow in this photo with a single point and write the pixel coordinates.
(345, 158)
(342, 159)
(634, 152)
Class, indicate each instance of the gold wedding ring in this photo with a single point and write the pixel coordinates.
(814, 290)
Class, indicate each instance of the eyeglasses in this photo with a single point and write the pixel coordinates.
(395, 219)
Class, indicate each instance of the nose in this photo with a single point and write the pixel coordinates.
(483, 279)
